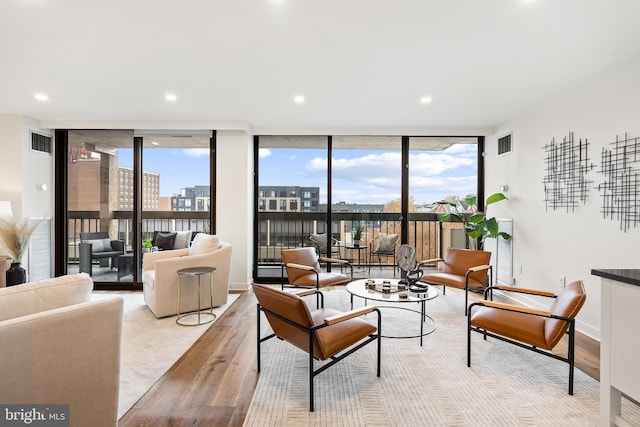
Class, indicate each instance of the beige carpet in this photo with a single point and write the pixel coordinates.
(425, 386)
(150, 346)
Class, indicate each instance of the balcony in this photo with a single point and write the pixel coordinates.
(277, 231)
(285, 230)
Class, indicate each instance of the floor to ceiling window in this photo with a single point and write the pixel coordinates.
(123, 188)
(383, 186)
(291, 197)
(366, 190)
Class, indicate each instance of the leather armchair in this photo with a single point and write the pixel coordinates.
(303, 269)
(160, 277)
(536, 330)
(324, 334)
(461, 268)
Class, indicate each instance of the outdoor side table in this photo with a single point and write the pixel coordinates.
(208, 313)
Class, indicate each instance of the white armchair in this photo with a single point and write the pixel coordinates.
(160, 277)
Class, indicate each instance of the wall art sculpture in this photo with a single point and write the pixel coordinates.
(566, 167)
(620, 190)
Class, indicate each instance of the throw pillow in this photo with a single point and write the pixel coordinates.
(183, 238)
(387, 243)
(99, 245)
(204, 243)
(321, 241)
(165, 241)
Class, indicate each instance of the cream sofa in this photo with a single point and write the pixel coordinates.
(59, 347)
(160, 277)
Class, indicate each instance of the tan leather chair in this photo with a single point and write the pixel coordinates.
(303, 269)
(461, 268)
(324, 333)
(537, 330)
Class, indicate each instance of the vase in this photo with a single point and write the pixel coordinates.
(16, 274)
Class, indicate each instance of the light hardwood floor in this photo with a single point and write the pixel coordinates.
(213, 383)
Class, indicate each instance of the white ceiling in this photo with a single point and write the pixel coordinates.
(359, 63)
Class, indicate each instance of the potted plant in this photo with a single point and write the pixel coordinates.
(147, 245)
(14, 238)
(356, 234)
(478, 227)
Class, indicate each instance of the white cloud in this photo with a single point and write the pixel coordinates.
(264, 152)
(196, 152)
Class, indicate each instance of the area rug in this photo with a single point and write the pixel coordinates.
(150, 346)
(425, 386)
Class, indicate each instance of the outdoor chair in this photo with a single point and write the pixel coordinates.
(383, 246)
(321, 243)
(98, 246)
(533, 329)
(461, 268)
(324, 333)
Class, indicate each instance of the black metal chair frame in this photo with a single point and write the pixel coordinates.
(571, 331)
(380, 254)
(310, 331)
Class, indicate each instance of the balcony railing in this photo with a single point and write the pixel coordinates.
(121, 225)
(283, 230)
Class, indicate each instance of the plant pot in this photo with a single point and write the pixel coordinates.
(16, 274)
(356, 243)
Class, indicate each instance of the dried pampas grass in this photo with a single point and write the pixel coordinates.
(15, 235)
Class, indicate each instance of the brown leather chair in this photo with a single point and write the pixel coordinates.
(537, 330)
(324, 333)
(303, 269)
(463, 269)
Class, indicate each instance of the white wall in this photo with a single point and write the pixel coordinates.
(234, 201)
(550, 244)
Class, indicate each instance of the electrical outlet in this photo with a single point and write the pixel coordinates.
(562, 281)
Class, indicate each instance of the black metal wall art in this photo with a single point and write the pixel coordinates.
(566, 167)
(620, 190)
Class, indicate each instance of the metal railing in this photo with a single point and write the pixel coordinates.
(284, 230)
(120, 225)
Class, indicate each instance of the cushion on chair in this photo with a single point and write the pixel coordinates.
(517, 326)
(165, 241)
(386, 243)
(459, 261)
(320, 240)
(453, 280)
(99, 245)
(204, 243)
(183, 239)
(567, 304)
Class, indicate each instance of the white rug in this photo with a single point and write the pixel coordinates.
(425, 386)
(150, 346)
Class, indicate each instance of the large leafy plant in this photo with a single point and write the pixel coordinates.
(477, 226)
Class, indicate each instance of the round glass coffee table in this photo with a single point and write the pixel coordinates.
(358, 288)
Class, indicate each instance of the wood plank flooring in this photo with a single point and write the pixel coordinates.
(213, 383)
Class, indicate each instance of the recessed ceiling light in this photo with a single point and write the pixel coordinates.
(154, 143)
(425, 100)
(298, 99)
(41, 97)
(171, 97)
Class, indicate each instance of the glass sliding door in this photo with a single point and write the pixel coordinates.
(176, 189)
(291, 200)
(366, 193)
(99, 205)
(443, 171)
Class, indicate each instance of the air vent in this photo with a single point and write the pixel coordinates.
(504, 144)
(41, 143)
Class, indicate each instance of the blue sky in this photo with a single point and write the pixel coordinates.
(369, 176)
(360, 176)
